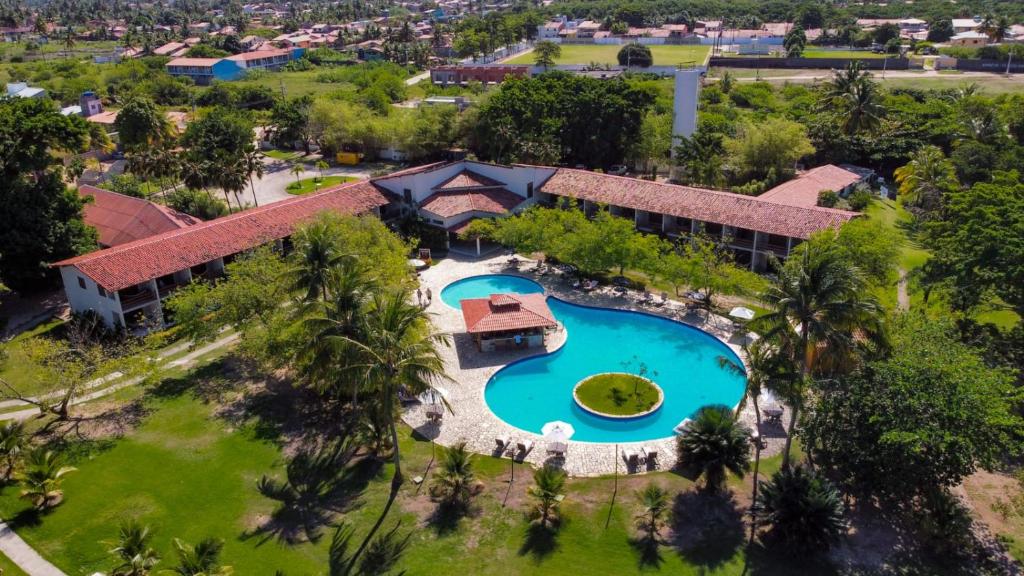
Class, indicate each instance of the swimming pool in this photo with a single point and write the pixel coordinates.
(683, 360)
(484, 286)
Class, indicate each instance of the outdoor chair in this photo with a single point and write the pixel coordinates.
(650, 455)
(524, 447)
(503, 442)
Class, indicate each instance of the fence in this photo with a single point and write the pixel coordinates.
(996, 66)
(868, 63)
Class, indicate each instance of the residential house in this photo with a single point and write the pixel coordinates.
(969, 38)
(23, 90)
(966, 24)
(550, 30)
(171, 49)
(203, 71)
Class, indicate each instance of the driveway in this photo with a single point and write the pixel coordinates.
(277, 176)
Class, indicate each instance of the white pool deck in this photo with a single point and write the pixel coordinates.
(472, 421)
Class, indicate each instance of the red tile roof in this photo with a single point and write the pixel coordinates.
(136, 262)
(468, 179)
(698, 203)
(506, 312)
(256, 55)
(120, 219)
(803, 190)
(200, 62)
(454, 202)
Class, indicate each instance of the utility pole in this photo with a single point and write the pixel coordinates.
(1008, 62)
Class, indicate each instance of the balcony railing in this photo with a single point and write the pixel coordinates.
(137, 300)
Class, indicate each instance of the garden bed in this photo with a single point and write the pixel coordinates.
(618, 395)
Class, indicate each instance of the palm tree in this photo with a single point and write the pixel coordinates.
(321, 166)
(297, 169)
(133, 550)
(712, 443)
(254, 165)
(843, 81)
(862, 108)
(317, 255)
(13, 442)
(69, 41)
(816, 302)
(548, 485)
(804, 510)
(203, 559)
(398, 350)
(42, 477)
(926, 178)
(655, 502)
(454, 479)
(994, 27)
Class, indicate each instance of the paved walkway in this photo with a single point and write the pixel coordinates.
(23, 555)
(473, 421)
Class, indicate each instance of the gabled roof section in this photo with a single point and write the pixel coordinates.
(803, 190)
(139, 261)
(501, 312)
(697, 203)
(468, 179)
(448, 203)
(120, 219)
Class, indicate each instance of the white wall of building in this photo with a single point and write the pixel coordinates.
(516, 178)
(89, 298)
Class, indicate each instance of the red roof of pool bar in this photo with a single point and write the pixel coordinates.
(500, 312)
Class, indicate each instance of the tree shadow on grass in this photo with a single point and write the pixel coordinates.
(648, 552)
(777, 560)
(446, 517)
(319, 484)
(707, 530)
(540, 541)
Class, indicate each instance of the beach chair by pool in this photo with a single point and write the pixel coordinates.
(650, 454)
(434, 412)
(631, 457)
(503, 443)
(773, 415)
(524, 447)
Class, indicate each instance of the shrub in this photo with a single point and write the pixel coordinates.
(859, 199)
(803, 510)
(828, 198)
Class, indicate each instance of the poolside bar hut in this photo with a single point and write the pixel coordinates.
(507, 320)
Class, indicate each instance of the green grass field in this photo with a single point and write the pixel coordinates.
(190, 469)
(664, 55)
(310, 184)
(613, 394)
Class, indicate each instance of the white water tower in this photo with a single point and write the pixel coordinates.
(684, 104)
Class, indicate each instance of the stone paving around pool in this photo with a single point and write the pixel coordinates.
(472, 421)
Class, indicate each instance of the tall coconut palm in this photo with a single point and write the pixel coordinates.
(133, 550)
(317, 255)
(862, 107)
(454, 479)
(842, 82)
(926, 178)
(815, 304)
(803, 510)
(203, 559)
(397, 350)
(13, 442)
(42, 477)
(655, 503)
(548, 487)
(254, 165)
(713, 443)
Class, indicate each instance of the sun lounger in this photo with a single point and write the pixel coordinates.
(773, 415)
(650, 455)
(524, 446)
(434, 412)
(503, 443)
(631, 457)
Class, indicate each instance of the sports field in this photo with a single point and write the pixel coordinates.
(664, 55)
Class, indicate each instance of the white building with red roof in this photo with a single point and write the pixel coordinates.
(129, 280)
(119, 219)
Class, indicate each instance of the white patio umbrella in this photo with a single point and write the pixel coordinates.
(435, 395)
(742, 313)
(557, 431)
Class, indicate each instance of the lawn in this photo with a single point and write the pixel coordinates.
(294, 84)
(18, 368)
(307, 185)
(664, 55)
(283, 155)
(614, 394)
(190, 467)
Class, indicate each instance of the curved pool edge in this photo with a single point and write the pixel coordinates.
(490, 379)
(543, 289)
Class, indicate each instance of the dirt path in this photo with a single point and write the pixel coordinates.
(902, 296)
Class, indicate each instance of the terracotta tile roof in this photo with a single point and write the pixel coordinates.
(698, 203)
(468, 179)
(136, 262)
(200, 62)
(506, 312)
(450, 203)
(803, 190)
(120, 219)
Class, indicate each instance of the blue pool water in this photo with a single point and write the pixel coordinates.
(680, 358)
(484, 286)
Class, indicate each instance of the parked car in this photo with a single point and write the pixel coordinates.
(618, 170)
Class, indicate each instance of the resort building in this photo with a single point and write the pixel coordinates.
(120, 219)
(126, 283)
(503, 321)
(204, 71)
